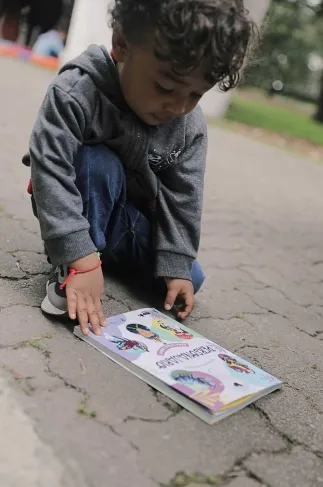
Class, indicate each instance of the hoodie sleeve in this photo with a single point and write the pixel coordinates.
(56, 138)
(179, 206)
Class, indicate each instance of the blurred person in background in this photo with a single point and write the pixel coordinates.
(52, 43)
(42, 17)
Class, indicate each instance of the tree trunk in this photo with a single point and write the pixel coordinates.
(319, 113)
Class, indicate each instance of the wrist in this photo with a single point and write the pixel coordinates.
(82, 266)
(85, 263)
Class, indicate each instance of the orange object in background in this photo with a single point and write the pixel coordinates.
(45, 61)
(24, 53)
(8, 50)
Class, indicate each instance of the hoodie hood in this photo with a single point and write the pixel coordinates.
(97, 63)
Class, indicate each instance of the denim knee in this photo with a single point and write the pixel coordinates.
(198, 276)
(99, 162)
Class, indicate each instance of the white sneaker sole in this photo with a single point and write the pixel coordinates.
(49, 309)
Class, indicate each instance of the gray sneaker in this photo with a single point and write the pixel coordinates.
(55, 302)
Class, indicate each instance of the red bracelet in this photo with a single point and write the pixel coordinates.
(74, 272)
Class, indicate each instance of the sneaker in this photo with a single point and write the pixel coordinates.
(55, 302)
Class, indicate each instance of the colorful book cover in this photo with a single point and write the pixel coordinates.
(190, 364)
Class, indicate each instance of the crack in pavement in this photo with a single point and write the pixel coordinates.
(245, 347)
(305, 396)
(14, 305)
(160, 398)
(239, 465)
(24, 251)
(237, 316)
(149, 420)
(32, 342)
(13, 279)
(86, 398)
(163, 400)
(312, 335)
(290, 442)
(270, 311)
(118, 300)
(185, 479)
(27, 277)
(175, 410)
(65, 382)
(270, 286)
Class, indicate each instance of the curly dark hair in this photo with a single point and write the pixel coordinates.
(217, 34)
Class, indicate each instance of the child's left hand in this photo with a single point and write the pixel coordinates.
(182, 289)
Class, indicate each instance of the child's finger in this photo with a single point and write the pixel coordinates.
(170, 298)
(83, 315)
(93, 316)
(99, 310)
(71, 303)
(189, 305)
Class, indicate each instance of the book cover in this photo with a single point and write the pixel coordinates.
(189, 363)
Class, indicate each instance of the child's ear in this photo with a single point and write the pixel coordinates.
(119, 45)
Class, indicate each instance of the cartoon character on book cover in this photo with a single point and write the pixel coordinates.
(244, 373)
(127, 345)
(128, 348)
(143, 331)
(200, 386)
(233, 364)
(169, 330)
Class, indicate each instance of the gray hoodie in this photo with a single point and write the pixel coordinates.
(85, 105)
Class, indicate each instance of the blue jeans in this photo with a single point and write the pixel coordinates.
(119, 230)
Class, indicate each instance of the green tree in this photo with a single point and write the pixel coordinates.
(294, 32)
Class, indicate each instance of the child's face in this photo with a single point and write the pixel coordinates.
(151, 88)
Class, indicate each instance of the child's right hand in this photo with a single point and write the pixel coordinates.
(84, 292)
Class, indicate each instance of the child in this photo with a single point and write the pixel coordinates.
(118, 151)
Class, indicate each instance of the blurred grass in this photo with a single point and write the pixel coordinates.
(268, 115)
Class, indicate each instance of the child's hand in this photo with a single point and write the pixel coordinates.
(182, 289)
(84, 292)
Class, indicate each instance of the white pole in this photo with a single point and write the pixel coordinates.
(89, 25)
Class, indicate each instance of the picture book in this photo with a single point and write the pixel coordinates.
(198, 374)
